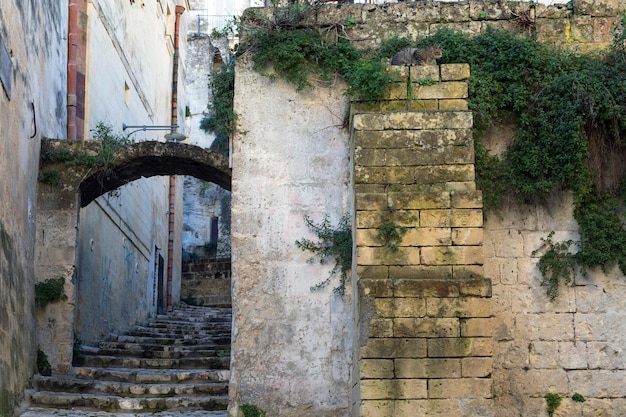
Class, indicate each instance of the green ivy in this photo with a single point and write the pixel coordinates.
(43, 366)
(50, 291)
(569, 110)
(221, 119)
(333, 242)
(557, 264)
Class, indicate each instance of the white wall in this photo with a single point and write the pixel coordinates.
(129, 46)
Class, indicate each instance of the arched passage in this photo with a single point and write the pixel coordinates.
(147, 159)
(77, 184)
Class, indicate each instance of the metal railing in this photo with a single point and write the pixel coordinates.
(207, 23)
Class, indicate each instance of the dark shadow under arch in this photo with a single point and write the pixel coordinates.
(148, 159)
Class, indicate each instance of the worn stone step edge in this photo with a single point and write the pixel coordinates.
(113, 402)
(159, 347)
(127, 389)
(151, 375)
(157, 363)
(172, 341)
(52, 412)
(156, 354)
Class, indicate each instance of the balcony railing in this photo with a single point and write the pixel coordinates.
(207, 23)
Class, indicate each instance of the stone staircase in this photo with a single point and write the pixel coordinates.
(176, 363)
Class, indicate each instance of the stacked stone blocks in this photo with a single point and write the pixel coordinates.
(425, 304)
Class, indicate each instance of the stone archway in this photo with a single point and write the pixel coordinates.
(75, 185)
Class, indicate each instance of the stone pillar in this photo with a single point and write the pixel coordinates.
(426, 308)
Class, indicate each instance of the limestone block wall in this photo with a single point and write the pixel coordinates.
(206, 282)
(425, 306)
(574, 345)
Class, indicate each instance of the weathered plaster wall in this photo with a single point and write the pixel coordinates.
(34, 35)
(293, 351)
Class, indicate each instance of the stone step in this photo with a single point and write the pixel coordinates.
(140, 352)
(161, 347)
(177, 332)
(131, 362)
(185, 341)
(152, 376)
(113, 402)
(127, 389)
(52, 412)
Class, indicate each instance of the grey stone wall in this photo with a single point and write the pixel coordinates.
(32, 102)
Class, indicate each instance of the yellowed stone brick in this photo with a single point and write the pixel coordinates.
(453, 104)
(371, 201)
(441, 173)
(369, 157)
(458, 155)
(391, 348)
(375, 288)
(455, 72)
(369, 255)
(451, 89)
(367, 219)
(428, 368)
(459, 307)
(381, 328)
(377, 408)
(467, 218)
(400, 307)
(367, 237)
(425, 71)
(377, 368)
(456, 120)
(420, 272)
(426, 327)
(475, 286)
(407, 200)
(370, 139)
(424, 105)
(460, 186)
(452, 255)
(372, 271)
(464, 200)
(468, 272)
(428, 407)
(426, 288)
(382, 389)
(476, 367)
(477, 327)
(368, 121)
(472, 236)
(460, 388)
(460, 347)
(435, 218)
(427, 236)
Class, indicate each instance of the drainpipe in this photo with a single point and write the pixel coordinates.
(72, 53)
(172, 198)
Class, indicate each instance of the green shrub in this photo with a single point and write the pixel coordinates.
(50, 291)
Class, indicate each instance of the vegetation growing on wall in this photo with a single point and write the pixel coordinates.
(333, 242)
(221, 119)
(50, 291)
(102, 160)
(569, 109)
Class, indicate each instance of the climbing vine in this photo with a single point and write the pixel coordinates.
(221, 118)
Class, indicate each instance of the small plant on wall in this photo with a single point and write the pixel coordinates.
(333, 242)
(50, 291)
(389, 232)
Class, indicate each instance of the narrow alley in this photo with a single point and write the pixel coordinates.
(175, 365)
